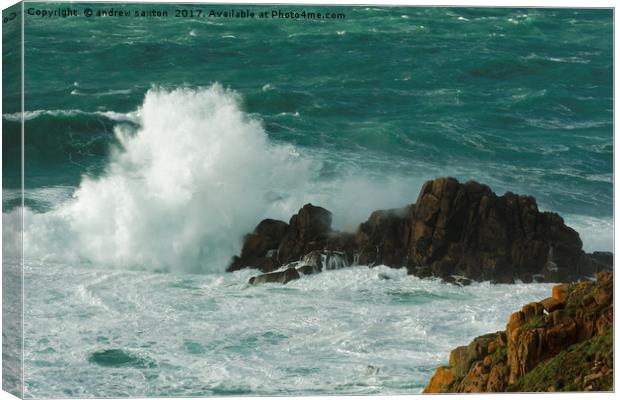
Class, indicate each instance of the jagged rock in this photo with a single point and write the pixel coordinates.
(539, 353)
(460, 361)
(479, 346)
(557, 317)
(592, 263)
(258, 247)
(532, 309)
(550, 304)
(421, 271)
(497, 378)
(314, 259)
(502, 338)
(384, 238)
(523, 351)
(344, 244)
(493, 345)
(559, 336)
(558, 292)
(516, 320)
(461, 280)
(275, 243)
(601, 296)
(326, 259)
(453, 230)
(606, 276)
(466, 229)
(282, 277)
(592, 377)
(443, 378)
(505, 279)
(308, 230)
(526, 277)
(308, 269)
(476, 379)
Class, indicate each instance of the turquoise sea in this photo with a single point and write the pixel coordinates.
(152, 145)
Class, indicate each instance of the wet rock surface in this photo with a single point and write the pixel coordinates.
(456, 231)
(282, 277)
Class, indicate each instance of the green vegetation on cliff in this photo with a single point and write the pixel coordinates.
(582, 367)
(562, 343)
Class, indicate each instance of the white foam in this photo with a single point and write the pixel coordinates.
(197, 174)
(180, 192)
(30, 115)
(315, 335)
(76, 92)
(597, 233)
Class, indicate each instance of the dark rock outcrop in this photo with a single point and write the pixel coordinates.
(308, 230)
(384, 238)
(276, 243)
(465, 229)
(284, 277)
(308, 270)
(591, 263)
(563, 343)
(321, 260)
(453, 230)
(258, 247)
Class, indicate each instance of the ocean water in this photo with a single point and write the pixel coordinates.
(153, 145)
(351, 331)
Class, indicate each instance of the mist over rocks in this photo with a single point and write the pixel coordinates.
(455, 231)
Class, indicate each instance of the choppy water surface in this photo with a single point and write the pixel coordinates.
(350, 331)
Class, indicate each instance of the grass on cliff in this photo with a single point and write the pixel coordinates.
(537, 321)
(565, 371)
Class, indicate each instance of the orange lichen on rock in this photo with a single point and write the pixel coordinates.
(558, 292)
(443, 378)
(544, 345)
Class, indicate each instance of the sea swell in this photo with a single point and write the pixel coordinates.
(175, 184)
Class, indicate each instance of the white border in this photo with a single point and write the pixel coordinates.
(485, 3)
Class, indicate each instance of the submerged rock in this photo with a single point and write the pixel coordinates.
(308, 269)
(453, 230)
(284, 277)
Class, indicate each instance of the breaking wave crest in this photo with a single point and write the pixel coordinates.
(179, 192)
(186, 178)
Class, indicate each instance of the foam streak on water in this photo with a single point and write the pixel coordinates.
(349, 331)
